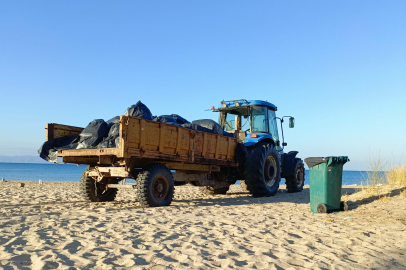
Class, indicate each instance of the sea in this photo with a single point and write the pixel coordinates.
(72, 173)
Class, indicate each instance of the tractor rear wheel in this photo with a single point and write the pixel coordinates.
(155, 186)
(93, 191)
(295, 182)
(262, 170)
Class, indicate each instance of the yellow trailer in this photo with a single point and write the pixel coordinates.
(148, 151)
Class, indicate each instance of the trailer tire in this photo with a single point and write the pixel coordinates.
(262, 170)
(88, 189)
(155, 186)
(295, 182)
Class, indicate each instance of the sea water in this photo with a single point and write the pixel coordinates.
(72, 173)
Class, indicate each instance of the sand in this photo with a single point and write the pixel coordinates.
(49, 226)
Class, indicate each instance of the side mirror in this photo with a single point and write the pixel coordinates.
(291, 122)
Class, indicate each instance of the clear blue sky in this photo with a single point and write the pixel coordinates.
(339, 67)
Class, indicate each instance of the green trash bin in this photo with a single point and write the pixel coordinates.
(326, 179)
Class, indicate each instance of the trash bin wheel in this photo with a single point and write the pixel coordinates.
(295, 182)
(343, 206)
(322, 208)
(155, 186)
(93, 191)
(262, 170)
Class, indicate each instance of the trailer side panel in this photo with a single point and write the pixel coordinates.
(140, 138)
(54, 131)
(150, 139)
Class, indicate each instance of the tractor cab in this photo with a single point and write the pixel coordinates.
(251, 121)
(254, 124)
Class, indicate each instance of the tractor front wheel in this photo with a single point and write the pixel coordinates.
(262, 170)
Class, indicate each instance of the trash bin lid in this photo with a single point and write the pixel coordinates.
(313, 161)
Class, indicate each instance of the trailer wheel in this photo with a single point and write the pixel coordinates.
(295, 182)
(93, 191)
(262, 170)
(155, 186)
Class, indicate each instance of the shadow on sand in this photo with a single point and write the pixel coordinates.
(372, 198)
(282, 196)
(244, 198)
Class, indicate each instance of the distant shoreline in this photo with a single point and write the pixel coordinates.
(44, 163)
(26, 162)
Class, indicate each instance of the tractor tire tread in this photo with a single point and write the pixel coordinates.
(254, 170)
(291, 184)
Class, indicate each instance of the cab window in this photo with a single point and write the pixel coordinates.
(259, 119)
(230, 122)
(273, 128)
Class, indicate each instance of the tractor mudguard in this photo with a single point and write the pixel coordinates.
(249, 141)
(288, 163)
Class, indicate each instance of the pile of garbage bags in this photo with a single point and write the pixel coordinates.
(101, 134)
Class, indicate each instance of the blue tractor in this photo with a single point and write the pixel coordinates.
(255, 125)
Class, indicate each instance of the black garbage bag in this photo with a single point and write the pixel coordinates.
(92, 135)
(72, 145)
(114, 120)
(139, 110)
(179, 119)
(112, 138)
(48, 150)
(195, 127)
(228, 134)
(117, 141)
(164, 119)
(211, 125)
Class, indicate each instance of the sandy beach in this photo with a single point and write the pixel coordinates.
(49, 226)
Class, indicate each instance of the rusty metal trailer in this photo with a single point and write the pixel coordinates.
(148, 151)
